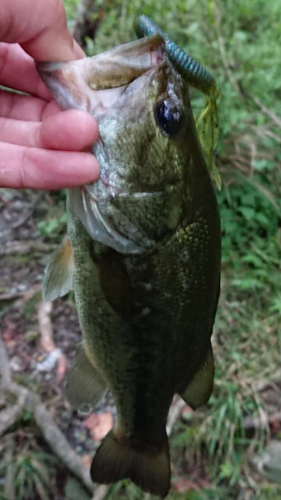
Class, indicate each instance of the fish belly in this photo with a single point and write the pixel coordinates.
(147, 319)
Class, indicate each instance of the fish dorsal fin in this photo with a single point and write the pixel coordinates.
(59, 272)
(85, 386)
(200, 388)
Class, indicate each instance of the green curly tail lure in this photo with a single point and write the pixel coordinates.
(197, 76)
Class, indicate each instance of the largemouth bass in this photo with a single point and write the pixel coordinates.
(142, 255)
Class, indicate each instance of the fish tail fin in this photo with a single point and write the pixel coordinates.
(115, 459)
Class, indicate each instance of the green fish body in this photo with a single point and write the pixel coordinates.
(142, 255)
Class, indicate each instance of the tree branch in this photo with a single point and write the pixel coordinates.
(45, 422)
(100, 492)
(174, 414)
(11, 415)
(5, 371)
(276, 119)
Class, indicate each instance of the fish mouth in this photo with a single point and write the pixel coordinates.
(131, 107)
(104, 85)
(97, 83)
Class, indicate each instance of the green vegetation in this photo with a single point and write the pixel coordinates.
(238, 42)
(28, 470)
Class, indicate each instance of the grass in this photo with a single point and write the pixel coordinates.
(29, 472)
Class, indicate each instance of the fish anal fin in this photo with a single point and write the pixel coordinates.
(58, 279)
(115, 459)
(85, 386)
(200, 388)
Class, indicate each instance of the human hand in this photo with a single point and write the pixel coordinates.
(40, 145)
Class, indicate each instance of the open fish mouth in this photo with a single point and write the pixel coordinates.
(116, 86)
(95, 84)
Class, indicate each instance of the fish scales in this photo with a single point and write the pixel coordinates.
(143, 356)
(143, 252)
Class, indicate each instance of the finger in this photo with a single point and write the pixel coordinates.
(18, 71)
(70, 130)
(27, 108)
(40, 28)
(78, 51)
(23, 167)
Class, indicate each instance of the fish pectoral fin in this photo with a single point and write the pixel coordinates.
(200, 388)
(59, 272)
(84, 386)
(115, 459)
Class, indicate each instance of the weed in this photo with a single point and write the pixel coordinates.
(28, 470)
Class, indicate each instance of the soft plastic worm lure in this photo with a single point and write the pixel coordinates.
(201, 79)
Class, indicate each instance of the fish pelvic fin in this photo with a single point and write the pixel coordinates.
(200, 388)
(85, 387)
(58, 279)
(116, 459)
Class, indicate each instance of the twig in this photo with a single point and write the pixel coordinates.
(222, 49)
(58, 442)
(25, 247)
(11, 415)
(276, 119)
(28, 213)
(55, 356)
(261, 422)
(174, 414)
(262, 385)
(11, 295)
(9, 487)
(265, 132)
(45, 422)
(100, 492)
(45, 326)
(21, 221)
(5, 371)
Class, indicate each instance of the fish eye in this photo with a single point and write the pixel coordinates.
(168, 117)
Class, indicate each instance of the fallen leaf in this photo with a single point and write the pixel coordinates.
(99, 424)
(61, 367)
(87, 460)
(9, 333)
(275, 425)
